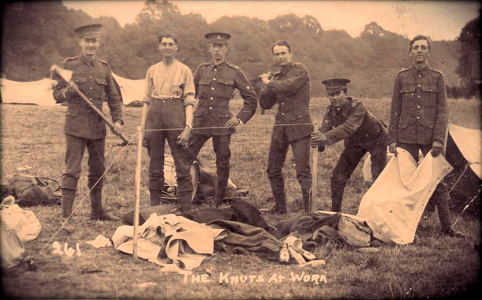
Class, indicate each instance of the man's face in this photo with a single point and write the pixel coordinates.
(337, 99)
(89, 46)
(168, 47)
(282, 55)
(218, 52)
(420, 51)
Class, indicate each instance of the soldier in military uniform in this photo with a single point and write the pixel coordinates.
(290, 88)
(84, 128)
(349, 119)
(215, 83)
(170, 97)
(419, 117)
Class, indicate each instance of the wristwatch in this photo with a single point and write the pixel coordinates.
(189, 126)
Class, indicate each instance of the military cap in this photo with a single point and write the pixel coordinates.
(335, 85)
(88, 31)
(220, 38)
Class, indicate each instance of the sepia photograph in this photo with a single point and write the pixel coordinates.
(226, 149)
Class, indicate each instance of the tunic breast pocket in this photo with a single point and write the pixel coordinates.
(101, 87)
(408, 96)
(429, 93)
(225, 88)
(204, 87)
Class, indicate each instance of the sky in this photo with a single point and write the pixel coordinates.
(440, 20)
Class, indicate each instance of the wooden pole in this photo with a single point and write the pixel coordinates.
(140, 130)
(315, 173)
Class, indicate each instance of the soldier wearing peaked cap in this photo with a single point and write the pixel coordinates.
(290, 88)
(349, 119)
(83, 127)
(215, 83)
(419, 118)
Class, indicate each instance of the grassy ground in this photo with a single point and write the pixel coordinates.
(432, 267)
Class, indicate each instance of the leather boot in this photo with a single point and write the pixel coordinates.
(278, 189)
(68, 197)
(155, 197)
(97, 210)
(306, 200)
(221, 185)
(442, 202)
(336, 198)
(184, 201)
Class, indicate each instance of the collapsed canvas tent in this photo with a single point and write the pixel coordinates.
(33, 92)
(464, 153)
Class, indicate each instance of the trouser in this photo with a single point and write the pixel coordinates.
(167, 114)
(221, 144)
(73, 159)
(441, 195)
(276, 159)
(347, 163)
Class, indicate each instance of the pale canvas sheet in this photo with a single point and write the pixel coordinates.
(394, 204)
(35, 92)
(132, 90)
(469, 142)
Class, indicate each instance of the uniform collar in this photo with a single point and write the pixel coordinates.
(344, 109)
(220, 66)
(87, 61)
(285, 69)
(423, 71)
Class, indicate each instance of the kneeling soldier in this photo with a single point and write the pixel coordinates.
(348, 119)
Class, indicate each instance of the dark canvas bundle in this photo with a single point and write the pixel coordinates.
(30, 190)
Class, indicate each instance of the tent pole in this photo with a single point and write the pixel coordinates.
(140, 130)
(315, 173)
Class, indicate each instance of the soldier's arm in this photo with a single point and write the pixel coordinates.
(395, 110)
(267, 99)
(292, 83)
(60, 88)
(327, 123)
(248, 94)
(351, 124)
(113, 100)
(441, 121)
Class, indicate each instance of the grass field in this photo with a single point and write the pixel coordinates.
(432, 267)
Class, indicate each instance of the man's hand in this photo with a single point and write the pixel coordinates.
(183, 138)
(393, 148)
(318, 139)
(69, 91)
(233, 122)
(265, 77)
(437, 147)
(117, 128)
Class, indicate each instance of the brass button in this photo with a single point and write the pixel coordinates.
(214, 78)
(210, 108)
(418, 118)
(211, 98)
(212, 88)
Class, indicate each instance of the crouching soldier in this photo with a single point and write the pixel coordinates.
(348, 119)
(84, 128)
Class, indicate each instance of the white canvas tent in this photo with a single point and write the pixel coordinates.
(131, 90)
(33, 92)
(41, 92)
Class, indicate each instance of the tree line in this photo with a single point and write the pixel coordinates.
(38, 34)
